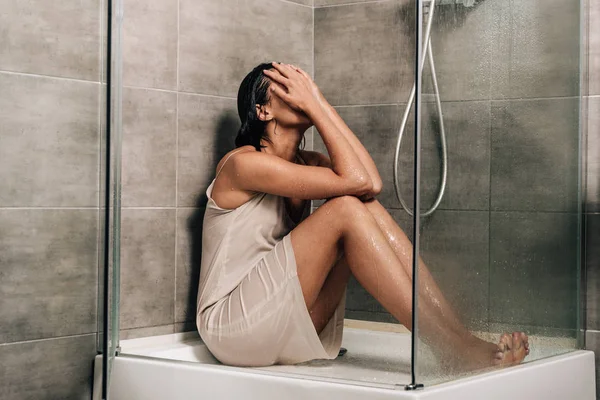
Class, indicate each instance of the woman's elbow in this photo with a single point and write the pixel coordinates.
(371, 188)
(364, 185)
(377, 187)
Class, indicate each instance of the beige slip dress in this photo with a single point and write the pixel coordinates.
(251, 310)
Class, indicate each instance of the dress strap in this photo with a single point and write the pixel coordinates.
(224, 162)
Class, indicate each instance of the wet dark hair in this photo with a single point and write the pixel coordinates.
(253, 90)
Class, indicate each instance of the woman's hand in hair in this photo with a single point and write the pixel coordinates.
(293, 87)
(315, 89)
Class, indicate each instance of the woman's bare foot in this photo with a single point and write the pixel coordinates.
(513, 349)
(478, 354)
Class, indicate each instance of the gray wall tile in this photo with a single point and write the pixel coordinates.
(189, 253)
(364, 52)
(150, 39)
(594, 47)
(535, 155)
(49, 273)
(47, 38)
(135, 333)
(358, 299)
(149, 147)
(147, 267)
(527, 249)
(48, 369)
(370, 316)
(536, 48)
(467, 126)
(221, 41)
(308, 138)
(592, 342)
(455, 247)
(468, 140)
(462, 44)
(207, 130)
(593, 155)
(468, 134)
(592, 265)
(377, 128)
(48, 142)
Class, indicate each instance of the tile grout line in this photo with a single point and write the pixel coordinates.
(295, 4)
(462, 101)
(49, 208)
(359, 105)
(489, 297)
(489, 279)
(99, 219)
(352, 4)
(453, 210)
(176, 164)
(207, 95)
(49, 338)
(144, 327)
(149, 88)
(314, 69)
(148, 208)
(60, 78)
(99, 231)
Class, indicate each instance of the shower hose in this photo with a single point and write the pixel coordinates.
(427, 53)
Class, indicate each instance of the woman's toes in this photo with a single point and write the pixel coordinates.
(519, 350)
(507, 341)
(517, 341)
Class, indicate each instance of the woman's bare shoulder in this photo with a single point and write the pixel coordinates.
(242, 149)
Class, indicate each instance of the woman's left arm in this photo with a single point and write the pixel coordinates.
(358, 147)
(362, 153)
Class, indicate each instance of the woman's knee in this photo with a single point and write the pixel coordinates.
(348, 207)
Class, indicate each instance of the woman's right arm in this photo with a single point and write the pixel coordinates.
(260, 172)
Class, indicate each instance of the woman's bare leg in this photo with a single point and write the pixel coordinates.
(403, 248)
(337, 279)
(346, 221)
(331, 293)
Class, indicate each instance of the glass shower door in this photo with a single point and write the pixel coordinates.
(503, 245)
(111, 168)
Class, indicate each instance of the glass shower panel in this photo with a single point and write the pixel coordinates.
(321, 41)
(503, 244)
(110, 183)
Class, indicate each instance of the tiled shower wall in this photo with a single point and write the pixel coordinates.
(183, 63)
(508, 75)
(50, 110)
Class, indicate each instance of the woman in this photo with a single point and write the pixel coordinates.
(273, 278)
